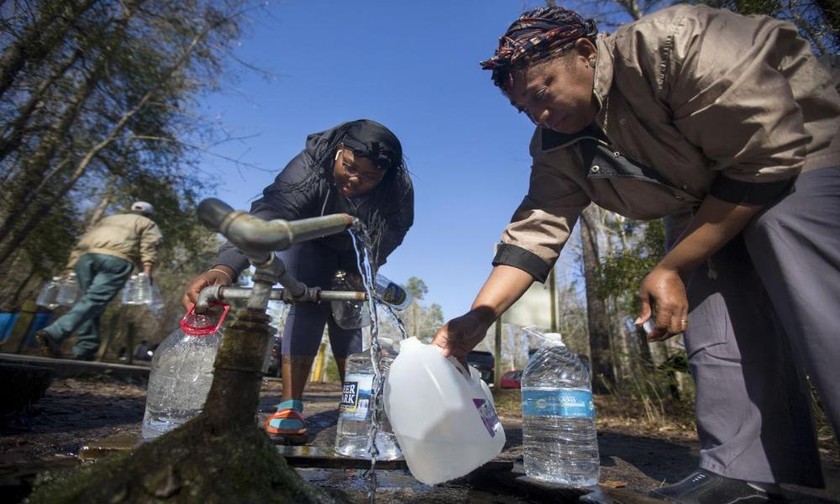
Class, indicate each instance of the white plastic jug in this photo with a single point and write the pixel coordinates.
(445, 421)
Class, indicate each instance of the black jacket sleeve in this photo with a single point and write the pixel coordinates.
(398, 221)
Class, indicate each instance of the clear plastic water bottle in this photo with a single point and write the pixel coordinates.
(558, 417)
(354, 419)
(68, 290)
(181, 374)
(48, 294)
(391, 293)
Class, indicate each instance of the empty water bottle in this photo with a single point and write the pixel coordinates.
(391, 293)
(181, 373)
(48, 294)
(558, 417)
(354, 421)
(68, 290)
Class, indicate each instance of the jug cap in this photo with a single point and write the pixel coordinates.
(189, 326)
(550, 338)
(553, 339)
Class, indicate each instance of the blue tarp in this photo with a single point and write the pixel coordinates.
(8, 320)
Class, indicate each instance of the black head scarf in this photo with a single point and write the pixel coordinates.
(371, 140)
(537, 35)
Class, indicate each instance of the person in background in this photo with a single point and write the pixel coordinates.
(727, 126)
(356, 168)
(103, 260)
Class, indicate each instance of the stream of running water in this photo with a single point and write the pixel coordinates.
(363, 256)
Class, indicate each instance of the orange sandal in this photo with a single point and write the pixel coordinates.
(287, 424)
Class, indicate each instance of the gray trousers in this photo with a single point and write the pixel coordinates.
(315, 265)
(764, 313)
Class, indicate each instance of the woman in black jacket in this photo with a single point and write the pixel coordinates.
(355, 168)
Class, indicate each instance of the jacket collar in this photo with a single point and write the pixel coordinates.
(604, 68)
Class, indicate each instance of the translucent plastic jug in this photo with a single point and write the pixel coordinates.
(181, 373)
(443, 415)
(68, 290)
(48, 294)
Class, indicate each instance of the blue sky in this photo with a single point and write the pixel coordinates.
(413, 67)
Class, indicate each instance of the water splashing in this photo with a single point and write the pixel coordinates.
(363, 254)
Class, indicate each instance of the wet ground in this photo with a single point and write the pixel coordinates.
(92, 409)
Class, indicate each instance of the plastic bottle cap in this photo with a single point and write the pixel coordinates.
(554, 339)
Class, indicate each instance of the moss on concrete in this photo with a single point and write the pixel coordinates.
(221, 456)
(187, 465)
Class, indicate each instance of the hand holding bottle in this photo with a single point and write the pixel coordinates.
(217, 275)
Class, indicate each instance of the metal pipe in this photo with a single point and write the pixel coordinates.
(258, 238)
(222, 293)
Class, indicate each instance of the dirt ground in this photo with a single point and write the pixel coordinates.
(81, 411)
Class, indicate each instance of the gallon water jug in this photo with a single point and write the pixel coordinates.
(156, 304)
(68, 290)
(128, 290)
(443, 415)
(48, 294)
(142, 289)
(354, 420)
(181, 373)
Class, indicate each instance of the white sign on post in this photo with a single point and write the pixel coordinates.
(532, 309)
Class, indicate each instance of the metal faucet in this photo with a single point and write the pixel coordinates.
(258, 239)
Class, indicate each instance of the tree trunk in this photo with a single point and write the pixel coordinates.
(39, 39)
(14, 230)
(17, 130)
(596, 310)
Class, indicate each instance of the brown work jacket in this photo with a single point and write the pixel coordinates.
(693, 101)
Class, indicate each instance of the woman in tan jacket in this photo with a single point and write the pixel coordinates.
(727, 127)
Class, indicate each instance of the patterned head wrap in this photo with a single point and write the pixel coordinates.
(537, 35)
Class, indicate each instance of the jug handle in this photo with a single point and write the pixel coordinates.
(460, 367)
(207, 330)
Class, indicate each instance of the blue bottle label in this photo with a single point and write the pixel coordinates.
(558, 402)
(355, 396)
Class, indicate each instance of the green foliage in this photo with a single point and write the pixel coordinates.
(620, 274)
(818, 20)
(96, 106)
(416, 287)
(332, 375)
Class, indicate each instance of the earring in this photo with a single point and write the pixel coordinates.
(337, 153)
(592, 62)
